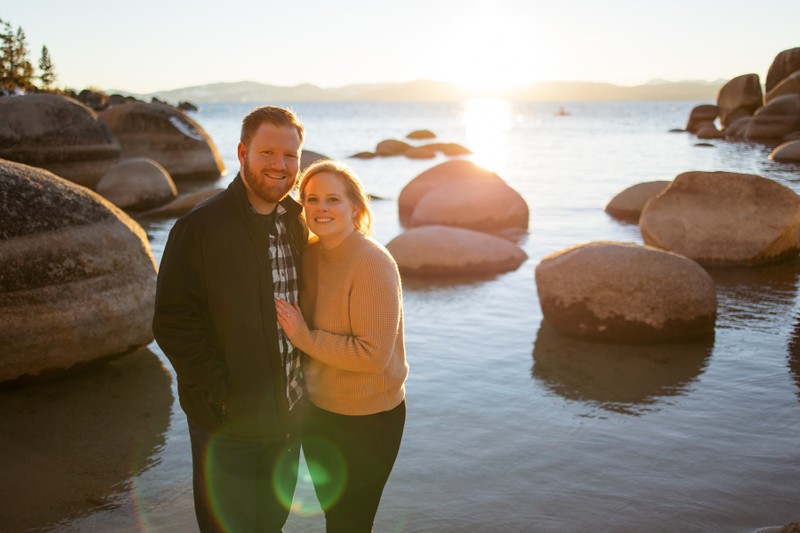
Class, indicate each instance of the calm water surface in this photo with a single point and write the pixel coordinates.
(512, 427)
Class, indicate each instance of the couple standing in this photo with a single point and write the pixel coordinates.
(278, 340)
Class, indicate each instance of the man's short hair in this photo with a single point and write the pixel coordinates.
(276, 116)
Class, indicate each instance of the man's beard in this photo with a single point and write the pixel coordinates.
(266, 188)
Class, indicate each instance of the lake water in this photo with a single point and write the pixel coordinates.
(512, 427)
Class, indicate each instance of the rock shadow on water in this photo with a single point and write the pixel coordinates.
(794, 355)
(755, 297)
(628, 379)
(69, 445)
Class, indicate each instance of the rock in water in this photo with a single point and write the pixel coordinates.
(440, 251)
(78, 277)
(457, 170)
(628, 204)
(477, 205)
(627, 293)
(724, 219)
(166, 135)
(137, 184)
(59, 134)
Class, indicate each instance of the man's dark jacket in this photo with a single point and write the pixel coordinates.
(215, 316)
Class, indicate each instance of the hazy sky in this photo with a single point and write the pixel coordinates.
(152, 45)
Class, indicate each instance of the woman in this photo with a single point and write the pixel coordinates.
(351, 330)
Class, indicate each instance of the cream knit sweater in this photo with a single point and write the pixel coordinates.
(351, 299)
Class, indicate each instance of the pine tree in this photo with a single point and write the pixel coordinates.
(16, 70)
(47, 71)
(24, 69)
(6, 56)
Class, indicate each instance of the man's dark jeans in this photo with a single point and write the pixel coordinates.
(242, 485)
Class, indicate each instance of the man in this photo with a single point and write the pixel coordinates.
(239, 377)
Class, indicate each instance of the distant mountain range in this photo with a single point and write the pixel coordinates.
(435, 91)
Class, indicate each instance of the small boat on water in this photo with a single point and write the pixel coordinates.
(562, 112)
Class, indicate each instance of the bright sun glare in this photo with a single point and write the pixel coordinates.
(487, 122)
(490, 51)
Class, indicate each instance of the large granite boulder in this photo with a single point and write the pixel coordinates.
(439, 251)
(478, 205)
(776, 119)
(784, 64)
(457, 170)
(59, 134)
(625, 292)
(740, 97)
(137, 184)
(628, 204)
(708, 130)
(700, 115)
(166, 135)
(724, 219)
(737, 128)
(789, 85)
(788, 152)
(78, 278)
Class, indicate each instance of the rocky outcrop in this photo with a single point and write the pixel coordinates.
(137, 184)
(740, 97)
(784, 64)
(458, 170)
(736, 129)
(439, 251)
(709, 131)
(78, 278)
(724, 219)
(700, 115)
(776, 119)
(788, 152)
(789, 85)
(628, 204)
(624, 292)
(166, 135)
(478, 205)
(59, 134)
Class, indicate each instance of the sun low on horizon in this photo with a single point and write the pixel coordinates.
(489, 51)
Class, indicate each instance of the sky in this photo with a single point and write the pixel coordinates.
(154, 45)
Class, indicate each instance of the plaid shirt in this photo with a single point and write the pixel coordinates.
(285, 286)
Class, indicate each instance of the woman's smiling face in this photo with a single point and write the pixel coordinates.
(328, 209)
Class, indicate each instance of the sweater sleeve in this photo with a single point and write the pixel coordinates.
(375, 311)
(180, 321)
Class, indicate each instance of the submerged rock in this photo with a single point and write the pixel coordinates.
(421, 134)
(78, 277)
(166, 135)
(724, 219)
(391, 147)
(625, 292)
(137, 184)
(439, 251)
(59, 134)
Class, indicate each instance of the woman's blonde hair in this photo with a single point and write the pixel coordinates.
(355, 191)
